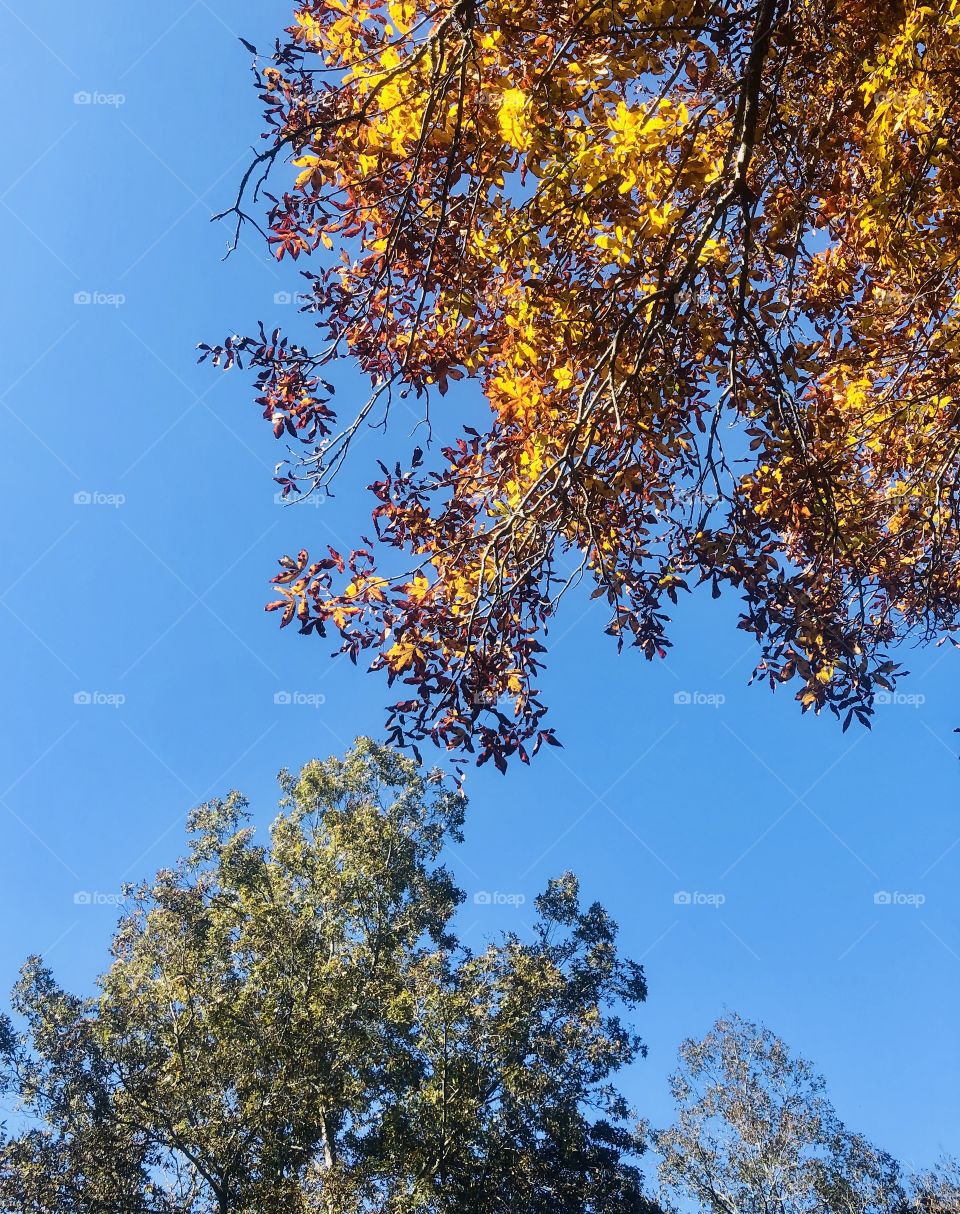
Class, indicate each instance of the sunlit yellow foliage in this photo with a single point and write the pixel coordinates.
(703, 261)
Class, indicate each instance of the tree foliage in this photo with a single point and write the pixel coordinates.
(294, 1028)
(700, 257)
(938, 1190)
(757, 1133)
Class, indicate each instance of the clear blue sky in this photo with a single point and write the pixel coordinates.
(159, 598)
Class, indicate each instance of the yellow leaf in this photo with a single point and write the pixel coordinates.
(512, 118)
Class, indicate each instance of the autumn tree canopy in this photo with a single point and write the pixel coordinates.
(702, 259)
(293, 1028)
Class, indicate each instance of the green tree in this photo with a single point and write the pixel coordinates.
(757, 1134)
(295, 1028)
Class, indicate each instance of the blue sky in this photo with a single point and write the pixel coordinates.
(740, 846)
